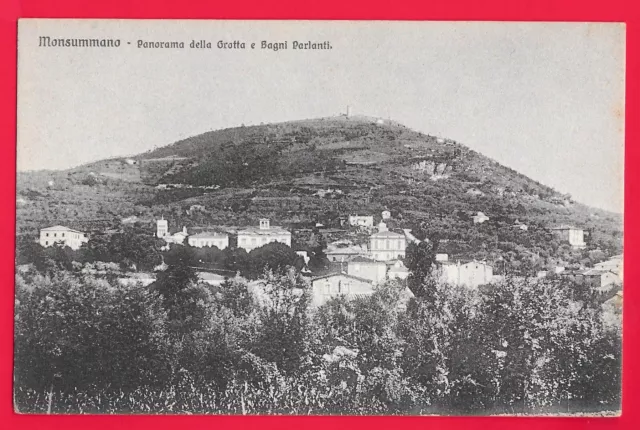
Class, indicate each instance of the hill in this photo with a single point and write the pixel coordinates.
(319, 170)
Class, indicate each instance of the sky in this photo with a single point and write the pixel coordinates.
(546, 99)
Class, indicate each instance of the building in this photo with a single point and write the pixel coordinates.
(133, 279)
(342, 252)
(162, 232)
(614, 303)
(304, 255)
(410, 237)
(602, 280)
(211, 278)
(62, 235)
(520, 225)
(471, 274)
(387, 245)
(162, 228)
(324, 288)
(386, 215)
(200, 240)
(366, 268)
(361, 221)
(252, 238)
(130, 220)
(178, 237)
(573, 235)
(614, 264)
(397, 270)
(442, 257)
(480, 218)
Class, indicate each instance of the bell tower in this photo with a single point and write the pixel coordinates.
(162, 227)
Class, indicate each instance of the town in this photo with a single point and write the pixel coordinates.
(356, 269)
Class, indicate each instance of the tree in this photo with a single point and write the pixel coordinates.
(420, 260)
(73, 333)
(317, 258)
(234, 294)
(283, 336)
(130, 248)
(28, 250)
(184, 300)
(275, 257)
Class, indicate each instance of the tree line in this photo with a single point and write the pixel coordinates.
(88, 344)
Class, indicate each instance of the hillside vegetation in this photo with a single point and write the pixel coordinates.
(302, 172)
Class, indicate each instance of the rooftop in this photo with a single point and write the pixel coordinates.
(331, 275)
(273, 230)
(387, 234)
(210, 235)
(361, 259)
(61, 228)
(565, 227)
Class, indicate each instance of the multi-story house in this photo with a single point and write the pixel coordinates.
(387, 245)
(200, 240)
(252, 238)
(62, 235)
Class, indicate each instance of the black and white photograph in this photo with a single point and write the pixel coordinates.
(319, 218)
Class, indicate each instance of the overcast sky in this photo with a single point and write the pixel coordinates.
(544, 99)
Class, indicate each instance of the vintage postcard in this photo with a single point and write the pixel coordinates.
(319, 218)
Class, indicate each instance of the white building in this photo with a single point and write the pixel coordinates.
(200, 240)
(442, 257)
(397, 270)
(480, 218)
(162, 232)
(162, 228)
(573, 235)
(178, 237)
(366, 268)
(304, 255)
(471, 274)
(601, 280)
(387, 245)
(62, 235)
(211, 278)
(361, 221)
(614, 264)
(252, 238)
(386, 215)
(327, 287)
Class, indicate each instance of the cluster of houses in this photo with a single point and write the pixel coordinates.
(601, 277)
(249, 238)
(362, 267)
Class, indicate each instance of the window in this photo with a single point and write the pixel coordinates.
(46, 242)
(55, 234)
(62, 234)
(47, 234)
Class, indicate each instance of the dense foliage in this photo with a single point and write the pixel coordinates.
(93, 345)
